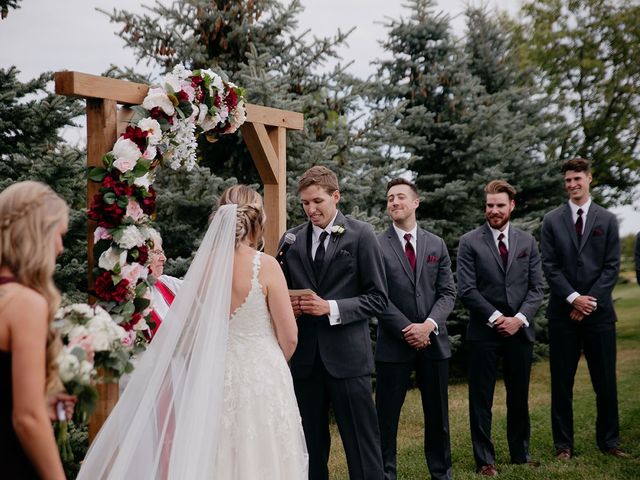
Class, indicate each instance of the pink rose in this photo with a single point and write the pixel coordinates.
(101, 233)
(134, 211)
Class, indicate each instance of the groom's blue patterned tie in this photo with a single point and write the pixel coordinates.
(318, 260)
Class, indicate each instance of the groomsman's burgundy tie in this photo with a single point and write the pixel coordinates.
(409, 251)
(579, 224)
(318, 260)
(502, 248)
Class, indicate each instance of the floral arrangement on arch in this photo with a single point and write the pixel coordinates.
(163, 131)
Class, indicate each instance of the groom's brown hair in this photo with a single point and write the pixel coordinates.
(320, 176)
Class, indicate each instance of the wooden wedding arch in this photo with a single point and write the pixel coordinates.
(264, 132)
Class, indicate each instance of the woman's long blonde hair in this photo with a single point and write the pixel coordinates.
(30, 214)
(250, 217)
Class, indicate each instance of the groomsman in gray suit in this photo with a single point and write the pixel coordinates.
(500, 282)
(338, 260)
(581, 259)
(412, 334)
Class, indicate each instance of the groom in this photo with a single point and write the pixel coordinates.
(339, 259)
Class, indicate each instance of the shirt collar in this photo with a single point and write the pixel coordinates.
(317, 230)
(585, 208)
(496, 233)
(401, 233)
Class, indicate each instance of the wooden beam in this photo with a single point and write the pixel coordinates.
(261, 149)
(274, 117)
(275, 194)
(76, 84)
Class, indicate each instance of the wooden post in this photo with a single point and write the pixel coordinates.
(264, 131)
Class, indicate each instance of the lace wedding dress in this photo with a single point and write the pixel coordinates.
(261, 429)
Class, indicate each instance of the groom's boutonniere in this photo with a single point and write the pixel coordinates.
(337, 230)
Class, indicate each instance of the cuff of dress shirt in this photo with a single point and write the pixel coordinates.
(572, 297)
(523, 317)
(334, 313)
(436, 331)
(494, 316)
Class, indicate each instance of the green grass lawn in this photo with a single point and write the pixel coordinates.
(588, 464)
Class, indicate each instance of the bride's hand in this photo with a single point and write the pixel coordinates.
(295, 304)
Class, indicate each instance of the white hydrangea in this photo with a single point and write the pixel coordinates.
(144, 181)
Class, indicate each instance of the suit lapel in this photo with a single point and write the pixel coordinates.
(397, 248)
(332, 248)
(491, 244)
(568, 220)
(421, 253)
(588, 228)
(513, 246)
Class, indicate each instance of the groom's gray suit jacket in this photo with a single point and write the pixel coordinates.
(429, 292)
(353, 276)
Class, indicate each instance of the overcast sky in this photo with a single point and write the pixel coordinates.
(71, 35)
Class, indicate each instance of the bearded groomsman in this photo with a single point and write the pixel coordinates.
(338, 260)
(581, 259)
(500, 282)
(412, 334)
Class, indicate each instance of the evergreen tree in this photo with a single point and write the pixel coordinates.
(257, 45)
(471, 118)
(31, 148)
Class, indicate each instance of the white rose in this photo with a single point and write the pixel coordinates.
(77, 331)
(86, 372)
(158, 98)
(101, 340)
(152, 126)
(126, 154)
(129, 237)
(150, 153)
(68, 366)
(112, 257)
(143, 181)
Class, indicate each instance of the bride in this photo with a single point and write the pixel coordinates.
(212, 397)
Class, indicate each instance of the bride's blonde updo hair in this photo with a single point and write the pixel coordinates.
(30, 214)
(250, 217)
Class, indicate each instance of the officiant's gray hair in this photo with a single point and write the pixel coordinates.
(250, 217)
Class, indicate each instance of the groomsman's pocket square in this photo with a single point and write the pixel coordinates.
(432, 259)
(523, 254)
(598, 232)
(343, 253)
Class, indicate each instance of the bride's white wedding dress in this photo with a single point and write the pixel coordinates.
(261, 434)
(212, 397)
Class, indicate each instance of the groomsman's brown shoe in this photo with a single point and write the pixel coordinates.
(616, 452)
(564, 453)
(487, 470)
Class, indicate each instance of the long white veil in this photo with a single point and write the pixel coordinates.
(167, 422)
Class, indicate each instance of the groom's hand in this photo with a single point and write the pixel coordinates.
(314, 305)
